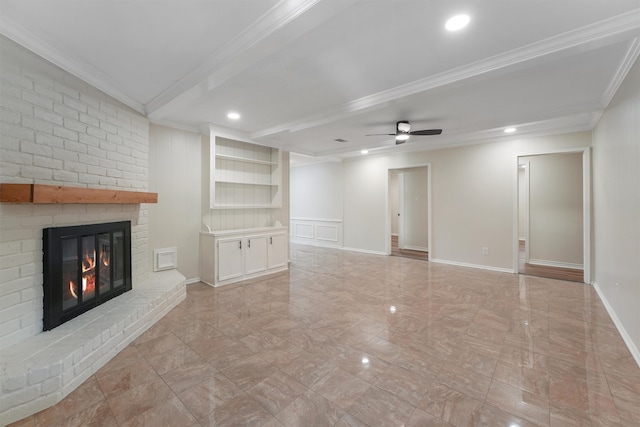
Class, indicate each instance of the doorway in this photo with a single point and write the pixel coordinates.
(409, 212)
(553, 215)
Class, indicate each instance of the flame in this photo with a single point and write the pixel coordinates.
(72, 289)
(104, 257)
(89, 261)
(88, 274)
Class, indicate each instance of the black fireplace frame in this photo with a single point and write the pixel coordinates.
(52, 240)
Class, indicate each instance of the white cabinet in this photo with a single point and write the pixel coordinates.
(242, 254)
(244, 175)
(255, 256)
(277, 251)
(230, 251)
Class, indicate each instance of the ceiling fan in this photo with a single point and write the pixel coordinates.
(403, 132)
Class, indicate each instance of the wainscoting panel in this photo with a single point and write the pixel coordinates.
(327, 232)
(317, 232)
(304, 231)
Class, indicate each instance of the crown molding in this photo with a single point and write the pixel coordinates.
(589, 37)
(178, 126)
(72, 65)
(621, 73)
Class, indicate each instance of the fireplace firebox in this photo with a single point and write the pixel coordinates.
(83, 267)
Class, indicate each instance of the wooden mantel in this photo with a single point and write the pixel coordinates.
(38, 193)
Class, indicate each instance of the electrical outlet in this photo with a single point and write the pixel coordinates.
(485, 250)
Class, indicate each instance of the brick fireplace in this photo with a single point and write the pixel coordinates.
(57, 130)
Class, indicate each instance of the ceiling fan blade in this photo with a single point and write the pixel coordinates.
(426, 132)
(379, 134)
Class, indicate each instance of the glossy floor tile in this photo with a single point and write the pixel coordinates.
(350, 339)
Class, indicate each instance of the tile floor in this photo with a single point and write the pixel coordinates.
(351, 339)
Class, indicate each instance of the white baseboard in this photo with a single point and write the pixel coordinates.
(416, 248)
(547, 263)
(623, 332)
(481, 267)
(318, 243)
(191, 281)
(342, 248)
(364, 251)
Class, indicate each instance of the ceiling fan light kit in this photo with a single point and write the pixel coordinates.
(401, 137)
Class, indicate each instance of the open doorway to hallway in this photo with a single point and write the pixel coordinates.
(409, 209)
(551, 216)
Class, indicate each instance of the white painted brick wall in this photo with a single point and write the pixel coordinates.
(56, 129)
(54, 364)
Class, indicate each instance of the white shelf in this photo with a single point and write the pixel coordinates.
(245, 160)
(218, 206)
(244, 183)
(244, 175)
(254, 230)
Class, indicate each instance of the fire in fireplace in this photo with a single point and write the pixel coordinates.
(84, 266)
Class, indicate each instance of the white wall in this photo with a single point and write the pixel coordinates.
(616, 206)
(175, 174)
(58, 130)
(416, 227)
(365, 204)
(555, 209)
(317, 191)
(472, 204)
(316, 196)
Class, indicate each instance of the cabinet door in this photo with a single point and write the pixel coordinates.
(255, 256)
(229, 259)
(277, 250)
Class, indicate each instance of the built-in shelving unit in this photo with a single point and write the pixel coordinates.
(244, 175)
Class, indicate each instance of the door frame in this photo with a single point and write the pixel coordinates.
(586, 205)
(526, 212)
(401, 212)
(388, 207)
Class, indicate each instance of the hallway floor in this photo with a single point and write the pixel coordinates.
(407, 253)
(561, 273)
(351, 339)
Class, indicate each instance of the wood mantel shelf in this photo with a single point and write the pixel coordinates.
(42, 194)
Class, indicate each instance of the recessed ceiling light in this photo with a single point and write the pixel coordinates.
(364, 151)
(233, 116)
(457, 22)
(510, 130)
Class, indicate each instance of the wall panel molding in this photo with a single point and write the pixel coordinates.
(317, 232)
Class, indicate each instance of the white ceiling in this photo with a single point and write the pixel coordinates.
(303, 73)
